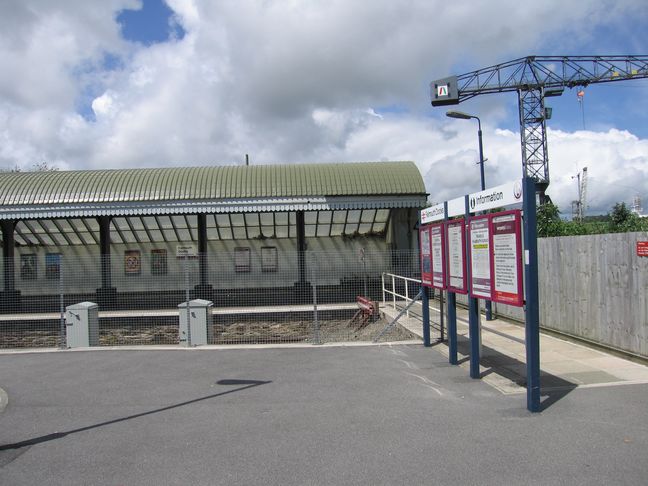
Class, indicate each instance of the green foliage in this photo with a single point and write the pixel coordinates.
(619, 220)
(623, 220)
(549, 222)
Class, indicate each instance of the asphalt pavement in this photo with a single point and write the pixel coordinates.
(385, 414)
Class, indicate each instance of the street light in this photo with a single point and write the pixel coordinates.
(465, 116)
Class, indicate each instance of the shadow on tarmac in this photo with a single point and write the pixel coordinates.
(553, 388)
(245, 384)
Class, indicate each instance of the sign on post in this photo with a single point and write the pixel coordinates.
(426, 256)
(506, 243)
(438, 256)
(480, 257)
(457, 256)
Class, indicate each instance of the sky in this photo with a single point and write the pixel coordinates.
(125, 83)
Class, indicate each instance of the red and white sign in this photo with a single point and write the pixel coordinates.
(642, 248)
(506, 258)
(437, 242)
(480, 257)
(456, 245)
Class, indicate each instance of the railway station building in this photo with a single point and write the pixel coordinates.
(106, 233)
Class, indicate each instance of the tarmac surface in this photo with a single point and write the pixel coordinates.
(384, 414)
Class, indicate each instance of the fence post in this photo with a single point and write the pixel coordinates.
(382, 277)
(316, 335)
(186, 269)
(62, 333)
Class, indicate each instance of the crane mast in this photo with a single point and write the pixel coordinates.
(535, 78)
(580, 206)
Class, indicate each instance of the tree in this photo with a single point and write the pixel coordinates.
(548, 221)
(36, 167)
(623, 220)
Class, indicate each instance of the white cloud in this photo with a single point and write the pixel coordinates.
(291, 82)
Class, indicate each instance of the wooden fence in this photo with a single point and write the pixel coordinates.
(594, 287)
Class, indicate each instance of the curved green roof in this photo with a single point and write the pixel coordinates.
(210, 183)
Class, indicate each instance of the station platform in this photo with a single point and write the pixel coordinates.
(564, 364)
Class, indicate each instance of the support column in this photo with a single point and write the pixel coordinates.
(203, 289)
(474, 328)
(532, 298)
(106, 294)
(301, 247)
(10, 296)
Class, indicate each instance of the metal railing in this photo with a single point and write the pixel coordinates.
(398, 282)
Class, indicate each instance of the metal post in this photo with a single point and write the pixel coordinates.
(406, 294)
(441, 312)
(452, 315)
(532, 312)
(186, 260)
(364, 267)
(8, 246)
(316, 329)
(393, 292)
(382, 277)
(62, 335)
(425, 301)
(473, 316)
(488, 305)
(202, 250)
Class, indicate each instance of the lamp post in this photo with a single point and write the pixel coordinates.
(465, 116)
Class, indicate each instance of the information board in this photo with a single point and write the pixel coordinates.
(506, 261)
(480, 257)
(437, 241)
(426, 256)
(456, 235)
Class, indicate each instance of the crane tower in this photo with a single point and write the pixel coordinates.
(580, 205)
(535, 78)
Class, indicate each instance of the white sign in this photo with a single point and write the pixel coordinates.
(442, 90)
(432, 214)
(186, 251)
(456, 251)
(496, 197)
(456, 207)
(480, 266)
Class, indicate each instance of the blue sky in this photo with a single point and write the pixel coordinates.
(156, 83)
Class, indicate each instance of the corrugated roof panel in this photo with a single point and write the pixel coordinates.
(229, 182)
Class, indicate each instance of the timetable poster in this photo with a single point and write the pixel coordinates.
(438, 256)
(507, 258)
(426, 256)
(456, 256)
(480, 257)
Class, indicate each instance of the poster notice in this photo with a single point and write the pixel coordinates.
(457, 257)
(642, 248)
(480, 257)
(426, 256)
(507, 258)
(438, 254)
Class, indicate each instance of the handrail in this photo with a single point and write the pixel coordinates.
(393, 278)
